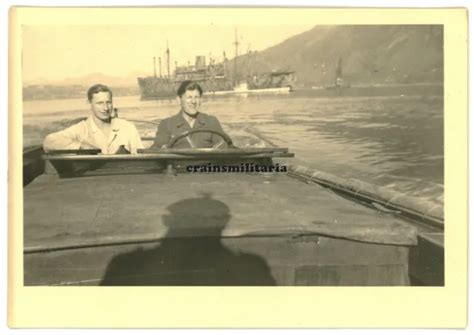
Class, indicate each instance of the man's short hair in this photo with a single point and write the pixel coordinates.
(96, 89)
(188, 85)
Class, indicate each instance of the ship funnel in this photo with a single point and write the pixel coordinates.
(200, 62)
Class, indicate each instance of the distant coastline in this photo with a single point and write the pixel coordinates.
(58, 92)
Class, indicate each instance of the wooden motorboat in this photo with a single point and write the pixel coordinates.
(145, 219)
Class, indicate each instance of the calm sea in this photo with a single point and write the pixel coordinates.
(389, 136)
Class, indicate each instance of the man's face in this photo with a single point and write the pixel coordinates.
(101, 106)
(190, 102)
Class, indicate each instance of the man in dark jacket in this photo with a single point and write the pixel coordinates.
(188, 119)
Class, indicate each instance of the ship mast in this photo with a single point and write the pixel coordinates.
(168, 59)
(249, 62)
(339, 72)
(224, 61)
(159, 62)
(154, 67)
(236, 43)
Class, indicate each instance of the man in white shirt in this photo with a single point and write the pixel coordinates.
(102, 130)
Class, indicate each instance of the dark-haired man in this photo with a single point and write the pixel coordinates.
(190, 118)
(102, 130)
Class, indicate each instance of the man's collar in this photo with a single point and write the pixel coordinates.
(182, 120)
(94, 128)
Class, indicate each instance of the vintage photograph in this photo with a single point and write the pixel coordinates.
(233, 154)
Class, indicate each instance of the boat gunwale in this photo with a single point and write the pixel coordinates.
(421, 210)
(158, 156)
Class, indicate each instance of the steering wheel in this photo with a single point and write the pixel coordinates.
(224, 138)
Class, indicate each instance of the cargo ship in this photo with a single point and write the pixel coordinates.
(215, 78)
(211, 77)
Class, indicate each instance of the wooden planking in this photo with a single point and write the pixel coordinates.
(88, 209)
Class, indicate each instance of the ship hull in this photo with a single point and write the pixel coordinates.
(155, 88)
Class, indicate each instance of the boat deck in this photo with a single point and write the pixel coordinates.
(88, 210)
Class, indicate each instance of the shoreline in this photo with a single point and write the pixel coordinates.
(296, 89)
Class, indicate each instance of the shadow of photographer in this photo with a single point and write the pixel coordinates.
(190, 254)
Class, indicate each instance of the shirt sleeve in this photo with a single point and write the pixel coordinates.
(162, 135)
(67, 139)
(217, 125)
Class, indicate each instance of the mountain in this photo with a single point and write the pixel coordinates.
(370, 54)
(76, 87)
(90, 79)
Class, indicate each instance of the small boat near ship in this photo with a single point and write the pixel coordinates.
(339, 81)
(243, 88)
(146, 219)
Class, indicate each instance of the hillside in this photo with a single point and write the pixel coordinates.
(77, 87)
(370, 55)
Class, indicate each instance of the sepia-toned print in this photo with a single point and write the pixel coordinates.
(233, 155)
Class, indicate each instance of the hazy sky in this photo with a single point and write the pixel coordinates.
(56, 52)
